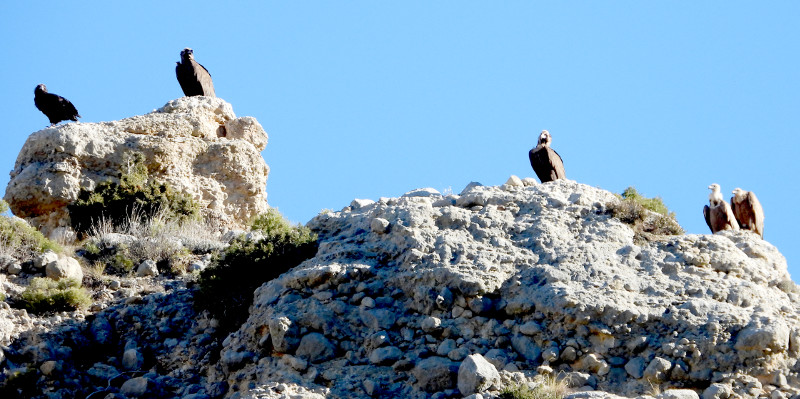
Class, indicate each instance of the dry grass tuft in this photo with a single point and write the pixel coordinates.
(159, 237)
(546, 387)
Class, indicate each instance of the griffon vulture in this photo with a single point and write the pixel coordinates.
(193, 77)
(55, 107)
(748, 211)
(545, 161)
(719, 215)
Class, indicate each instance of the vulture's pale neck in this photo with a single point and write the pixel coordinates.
(715, 198)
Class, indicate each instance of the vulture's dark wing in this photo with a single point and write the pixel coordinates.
(558, 165)
(69, 111)
(194, 79)
(188, 80)
(758, 213)
(707, 216)
(738, 212)
(547, 164)
(204, 77)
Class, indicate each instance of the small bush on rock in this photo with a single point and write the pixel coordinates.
(45, 295)
(21, 241)
(548, 388)
(226, 287)
(646, 215)
(135, 193)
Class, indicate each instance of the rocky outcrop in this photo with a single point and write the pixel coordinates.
(431, 296)
(533, 278)
(195, 144)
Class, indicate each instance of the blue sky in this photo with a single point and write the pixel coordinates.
(369, 99)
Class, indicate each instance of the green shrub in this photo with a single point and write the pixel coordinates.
(655, 204)
(272, 222)
(44, 295)
(635, 209)
(226, 287)
(20, 240)
(121, 262)
(135, 194)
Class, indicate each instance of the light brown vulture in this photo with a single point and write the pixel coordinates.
(193, 77)
(719, 215)
(53, 106)
(545, 161)
(748, 211)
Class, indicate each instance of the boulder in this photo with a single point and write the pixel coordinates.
(435, 374)
(315, 347)
(135, 387)
(147, 268)
(195, 144)
(65, 267)
(476, 374)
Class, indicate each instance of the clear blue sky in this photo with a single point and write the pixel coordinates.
(364, 99)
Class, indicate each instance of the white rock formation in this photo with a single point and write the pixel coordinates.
(147, 268)
(64, 267)
(531, 277)
(477, 375)
(195, 144)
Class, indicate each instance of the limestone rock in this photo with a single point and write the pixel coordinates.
(476, 375)
(435, 374)
(283, 333)
(135, 387)
(65, 267)
(385, 355)
(147, 268)
(315, 347)
(525, 275)
(678, 394)
(656, 371)
(195, 144)
(42, 260)
(132, 359)
(49, 367)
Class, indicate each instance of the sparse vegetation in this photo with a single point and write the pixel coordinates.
(45, 295)
(135, 194)
(21, 241)
(157, 237)
(21, 383)
(548, 388)
(226, 287)
(645, 215)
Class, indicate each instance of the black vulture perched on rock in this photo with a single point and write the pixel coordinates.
(545, 161)
(55, 107)
(193, 77)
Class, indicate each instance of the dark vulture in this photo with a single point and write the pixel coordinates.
(193, 77)
(719, 215)
(545, 161)
(53, 106)
(748, 211)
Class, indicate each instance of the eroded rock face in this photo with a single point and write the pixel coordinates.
(196, 144)
(533, 278)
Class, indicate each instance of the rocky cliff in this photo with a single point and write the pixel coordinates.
(195, 144)
(535, 279)
(421, 296)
